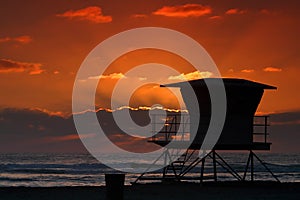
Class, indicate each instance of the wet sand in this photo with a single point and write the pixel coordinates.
(174, 191)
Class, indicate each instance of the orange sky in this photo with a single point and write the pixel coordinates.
(42, 45)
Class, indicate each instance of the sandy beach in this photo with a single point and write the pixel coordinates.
(172, 191)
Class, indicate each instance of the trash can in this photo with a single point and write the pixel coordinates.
(114, 186)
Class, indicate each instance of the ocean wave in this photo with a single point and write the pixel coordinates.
(70, 170)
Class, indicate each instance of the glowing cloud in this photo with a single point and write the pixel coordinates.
(110, 76)
(187, 10)
(93, 14)
(48, 112)
(235, 11)
(191, 76)
(142, 78)
(24, 39)
(247, 70)
(272, 69)
(10, 66)
(216, 17)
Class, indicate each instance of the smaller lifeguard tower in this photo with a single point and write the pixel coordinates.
(242, 131)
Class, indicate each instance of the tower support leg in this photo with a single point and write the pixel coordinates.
(252, 166)
(263, 164)
(247, 166)
(202, 170)
(214, 164)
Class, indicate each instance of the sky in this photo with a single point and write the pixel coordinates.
(43, 43)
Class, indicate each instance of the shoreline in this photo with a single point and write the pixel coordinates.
(174, 191)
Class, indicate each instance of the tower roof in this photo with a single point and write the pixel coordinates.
(228, 82)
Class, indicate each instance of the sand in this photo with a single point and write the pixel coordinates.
(174, 191)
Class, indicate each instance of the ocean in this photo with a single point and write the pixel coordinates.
(49, 170)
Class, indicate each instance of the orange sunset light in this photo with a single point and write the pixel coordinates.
(44, 43)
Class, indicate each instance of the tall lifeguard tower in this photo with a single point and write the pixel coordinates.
(242, 131)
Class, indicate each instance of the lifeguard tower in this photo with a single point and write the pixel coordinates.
(242, 131)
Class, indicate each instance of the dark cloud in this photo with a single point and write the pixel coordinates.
(285, 132)
(11, 66)
(33, 121)
(35, 130)
(286, 117)
(27, 130)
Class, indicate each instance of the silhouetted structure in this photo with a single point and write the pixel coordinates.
(241, 129)
(243, 97)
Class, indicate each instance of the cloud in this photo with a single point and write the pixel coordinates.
(93, 14)
(139, 16)
(34, 121)
(110, 76)
(187, 10)
(286, 118)
(191, 76)
(142, 78)
(63, 138)
(284, 131)
(247, 70)
(50, 113)
(23, 130)
(10, 66)
(31, 130)
(272, 69)
(235, 11)
(24, 39)
(216, 17)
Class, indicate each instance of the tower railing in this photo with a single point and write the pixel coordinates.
(260, 128)
(171, 127)
(177, 127)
